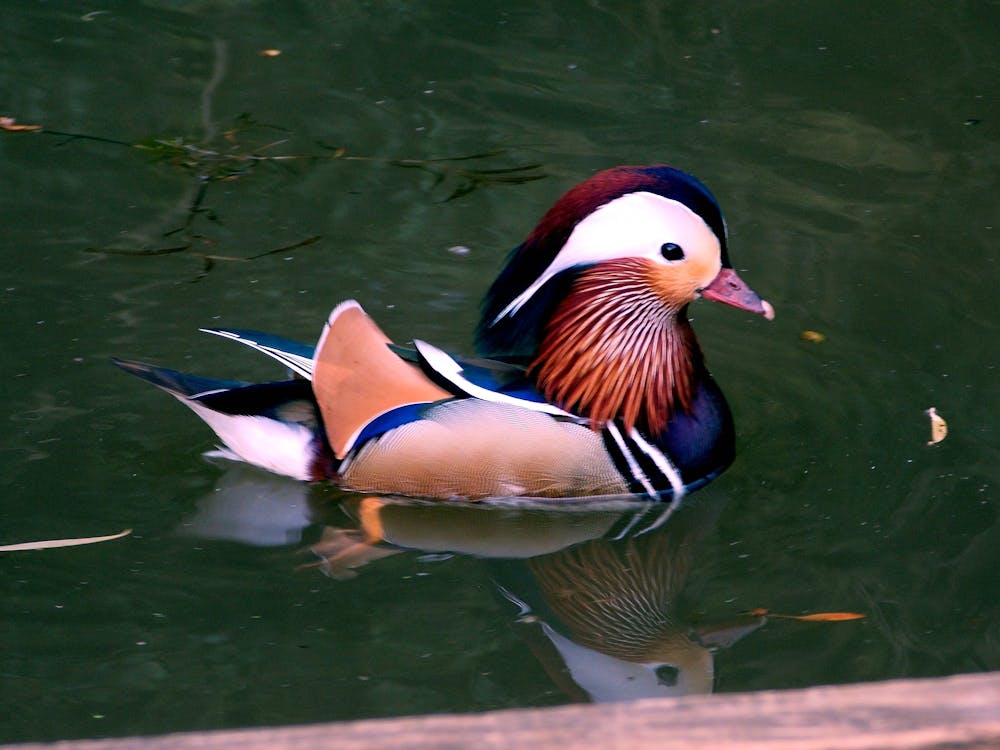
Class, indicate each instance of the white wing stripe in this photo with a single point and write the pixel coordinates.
(295, 362)
(451, 371)
(663, 463)
(633, 466)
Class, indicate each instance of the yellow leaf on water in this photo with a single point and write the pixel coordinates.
(54, 543)
(813, 336)
(939, 428)
(270, 52)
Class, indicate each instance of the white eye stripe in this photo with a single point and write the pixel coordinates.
(634, 225)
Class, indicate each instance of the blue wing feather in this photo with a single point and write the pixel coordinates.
(234, 397)
(181, 383)
(390, 420)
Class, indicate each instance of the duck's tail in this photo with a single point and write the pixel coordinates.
(275, 426)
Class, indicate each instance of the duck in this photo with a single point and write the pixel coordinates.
(587, 382)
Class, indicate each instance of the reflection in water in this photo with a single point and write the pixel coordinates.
(614, 601)
(252, 507)
(593, 588)
(601, 615)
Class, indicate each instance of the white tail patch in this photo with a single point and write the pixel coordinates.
(281, 447)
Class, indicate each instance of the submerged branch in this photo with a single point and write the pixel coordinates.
(214, 158)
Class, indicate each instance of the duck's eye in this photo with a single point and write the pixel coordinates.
(672, 251)
(667, 674)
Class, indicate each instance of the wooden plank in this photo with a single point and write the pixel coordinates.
(957, 713)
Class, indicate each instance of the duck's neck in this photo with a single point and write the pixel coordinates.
(614, 349)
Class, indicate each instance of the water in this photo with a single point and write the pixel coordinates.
(855, 151)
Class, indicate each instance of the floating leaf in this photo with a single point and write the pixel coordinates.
(814, 337)
(270, 52)
(817, 617)
(54, 543)
(939, 428)
(826, 617)
(10, 124)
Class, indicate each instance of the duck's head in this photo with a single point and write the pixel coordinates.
(594, 299)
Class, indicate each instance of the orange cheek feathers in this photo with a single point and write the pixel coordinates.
(679, 284)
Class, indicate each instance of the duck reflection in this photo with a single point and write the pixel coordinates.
(592, 589)
(604, 619)
(252, 507)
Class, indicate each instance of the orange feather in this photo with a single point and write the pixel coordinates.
(357, 377)
(615, 348)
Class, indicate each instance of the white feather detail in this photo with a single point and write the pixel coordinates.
(347, 304)
(637, 472)
(663, 463)
(444, 365)
(294, 362)
(634, 225)
(281, 447)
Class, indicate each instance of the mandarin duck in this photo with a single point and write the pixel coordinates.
(590, 381)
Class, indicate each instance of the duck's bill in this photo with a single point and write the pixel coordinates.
(730, 289)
